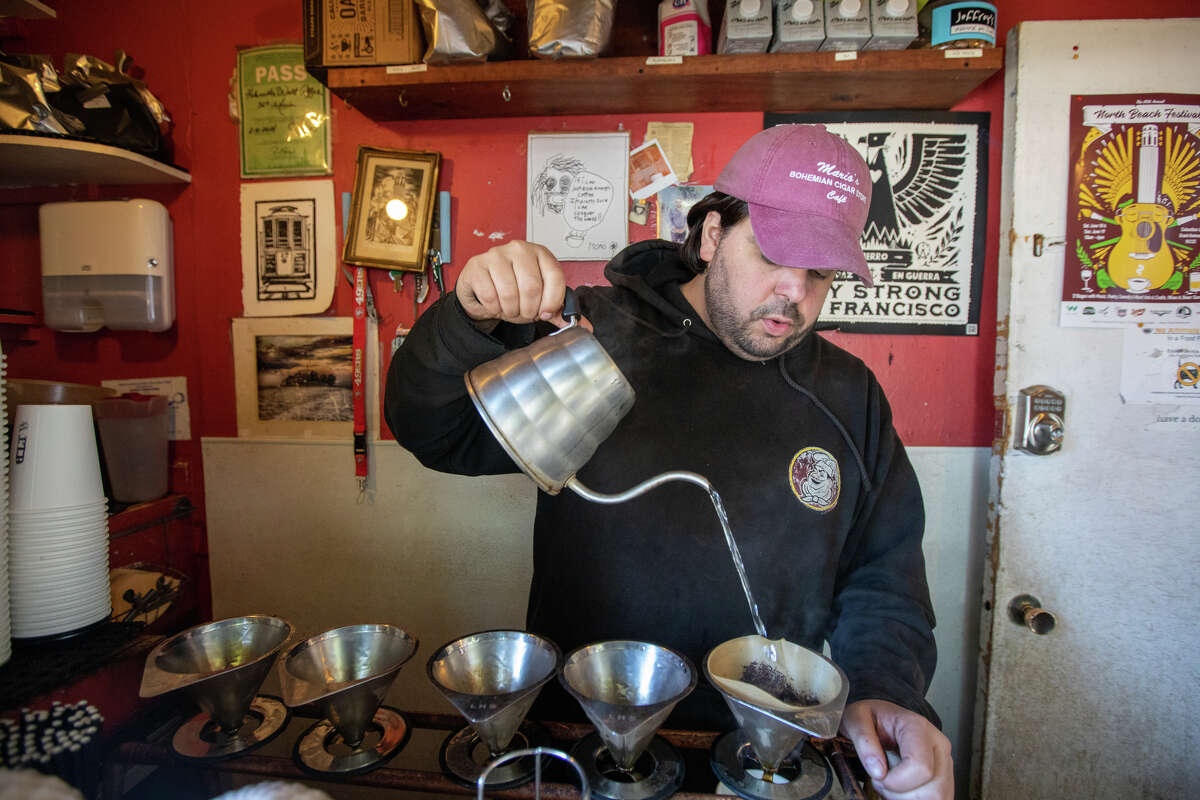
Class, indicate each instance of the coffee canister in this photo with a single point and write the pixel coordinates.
(959, 23)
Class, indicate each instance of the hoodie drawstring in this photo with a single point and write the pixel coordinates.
(837, 423)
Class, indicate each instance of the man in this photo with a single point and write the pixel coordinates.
(716, 338)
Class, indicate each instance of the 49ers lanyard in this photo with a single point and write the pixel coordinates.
(360, 405)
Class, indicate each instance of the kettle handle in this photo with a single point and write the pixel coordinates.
(570, 309)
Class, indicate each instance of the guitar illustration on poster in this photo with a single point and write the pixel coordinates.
(1141, 260)
(1133, 240)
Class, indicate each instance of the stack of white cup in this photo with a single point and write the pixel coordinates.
(58, 523)
(5, 621)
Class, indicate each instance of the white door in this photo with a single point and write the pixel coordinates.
(1103, 532)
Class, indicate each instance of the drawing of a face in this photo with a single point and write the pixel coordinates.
(565, 188)
(557, 184)
(554, 184)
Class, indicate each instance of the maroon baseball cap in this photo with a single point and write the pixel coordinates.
(808, 192)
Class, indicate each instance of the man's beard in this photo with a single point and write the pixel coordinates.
(737, 331)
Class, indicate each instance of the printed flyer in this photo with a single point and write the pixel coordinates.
(1132, 203)
(284, 114)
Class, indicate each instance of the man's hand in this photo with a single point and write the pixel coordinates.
(924, 771)
(517, 282)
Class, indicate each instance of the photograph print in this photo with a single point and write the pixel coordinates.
(294, 376)
(306, 378)
(392, 209)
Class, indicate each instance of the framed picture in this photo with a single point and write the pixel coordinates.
(926, 226)
(294, 376)
(394, 196)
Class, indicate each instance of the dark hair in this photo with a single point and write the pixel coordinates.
(732, 210)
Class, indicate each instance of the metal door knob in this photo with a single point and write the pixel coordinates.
(1025, 609)
(1046, 433)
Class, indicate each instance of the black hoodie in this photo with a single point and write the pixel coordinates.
(827, 560)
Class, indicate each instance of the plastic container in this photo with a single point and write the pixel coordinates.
(684, 28)
(745, 27)
(133, 434)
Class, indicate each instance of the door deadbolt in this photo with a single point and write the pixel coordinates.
(1040, 413)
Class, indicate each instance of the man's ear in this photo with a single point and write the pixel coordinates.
(710, 236)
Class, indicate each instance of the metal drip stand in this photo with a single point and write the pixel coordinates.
(537, 753)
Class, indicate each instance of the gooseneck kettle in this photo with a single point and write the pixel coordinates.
(551, 403)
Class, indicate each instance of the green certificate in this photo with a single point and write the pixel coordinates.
(284, 114)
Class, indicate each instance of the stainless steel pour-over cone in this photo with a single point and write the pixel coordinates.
(627, 689)
(221, 665)
(492, 678)
(778, 692)
(346, 672)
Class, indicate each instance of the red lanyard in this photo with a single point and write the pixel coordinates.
(360, 405)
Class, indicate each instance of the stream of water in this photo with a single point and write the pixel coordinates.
(737, 561)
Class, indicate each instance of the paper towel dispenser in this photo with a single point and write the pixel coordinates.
(107, 263)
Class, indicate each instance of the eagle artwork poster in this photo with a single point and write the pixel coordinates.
(925, 232)
(1133, 198)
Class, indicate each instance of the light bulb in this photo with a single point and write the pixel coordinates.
(802, 10)
(396, 209)
(849, 8)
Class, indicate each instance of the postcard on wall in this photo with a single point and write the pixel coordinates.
(1133, 196)
(283, 113)
(577, 194)
(649, 171)
(294, 377)
(674, 203)
(289, 248)
(179, 426)
(925, 238)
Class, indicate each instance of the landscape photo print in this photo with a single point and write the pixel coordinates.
(294, 377)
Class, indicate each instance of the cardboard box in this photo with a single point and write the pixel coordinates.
(345, 33)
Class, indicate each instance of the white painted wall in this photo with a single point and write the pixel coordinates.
(443, 555)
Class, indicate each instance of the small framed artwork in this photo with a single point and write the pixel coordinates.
(394, 196)
(294, 376)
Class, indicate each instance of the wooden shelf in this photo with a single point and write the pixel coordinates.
(779, 82)
(49, 161)
(28, 9)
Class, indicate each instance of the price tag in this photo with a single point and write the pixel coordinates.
(654, 61)
(399, 69)
(846, 55)
(966, 52)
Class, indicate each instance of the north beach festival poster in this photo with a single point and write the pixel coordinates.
(1132, 203)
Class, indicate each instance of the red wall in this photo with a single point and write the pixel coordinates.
(940, 387)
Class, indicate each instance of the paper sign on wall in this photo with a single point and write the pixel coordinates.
(1161, 365)
(577, 194)
(174, 389)
(284, 114)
